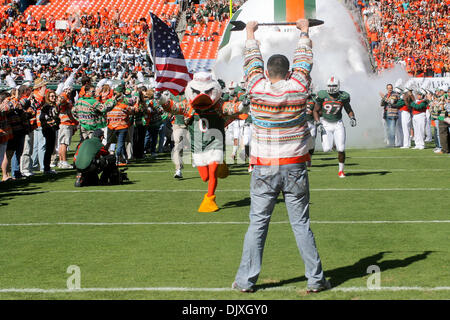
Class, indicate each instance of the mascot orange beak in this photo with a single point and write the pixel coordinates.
(202, 101)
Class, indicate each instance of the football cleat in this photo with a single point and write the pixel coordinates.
(178, 175)
(341, 174)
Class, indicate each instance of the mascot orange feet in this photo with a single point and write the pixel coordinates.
(210, 173)
(208, 204)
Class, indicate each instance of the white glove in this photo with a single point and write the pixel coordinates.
(353, 122)
(320, 128)
(164, 98)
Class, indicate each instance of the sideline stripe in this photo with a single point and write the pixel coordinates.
(37, 224)
(223, 190)
(310, 170)
(396, 157)
(291, 288)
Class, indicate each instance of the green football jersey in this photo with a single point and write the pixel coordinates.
(331, 106)
(202, 137)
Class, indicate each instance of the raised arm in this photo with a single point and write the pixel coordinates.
(180, 108)
(253, 61)
(303, 58)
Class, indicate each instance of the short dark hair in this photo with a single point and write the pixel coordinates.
(278, 66)
(88, 87)
(85, 80)
(22, 90)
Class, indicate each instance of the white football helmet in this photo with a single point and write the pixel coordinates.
(421, 92)
(333, 85)
(398, 90)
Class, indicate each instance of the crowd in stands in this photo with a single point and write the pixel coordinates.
(207, 11)
(83, 31)
(413, 33)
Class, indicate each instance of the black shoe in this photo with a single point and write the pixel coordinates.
(79, 181)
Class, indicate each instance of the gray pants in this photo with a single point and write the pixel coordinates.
(37, 156)
(25, 160)
(181, 139)
(266, 184)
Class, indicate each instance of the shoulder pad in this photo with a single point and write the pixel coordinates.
(344, 96)
(322, 94)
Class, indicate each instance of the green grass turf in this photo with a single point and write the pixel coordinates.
(207, 255)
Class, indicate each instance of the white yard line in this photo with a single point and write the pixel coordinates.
(222, 190)
(187, 289)
(38, 224)
(310, 170)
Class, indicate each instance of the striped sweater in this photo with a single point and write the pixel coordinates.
(280, 132)
(90, 113)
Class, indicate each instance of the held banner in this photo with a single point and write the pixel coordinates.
(428, 83)
(292, 10)
(61, 24)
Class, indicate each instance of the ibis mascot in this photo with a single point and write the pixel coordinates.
(206, 115)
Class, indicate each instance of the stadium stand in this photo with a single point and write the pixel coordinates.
(412, 33)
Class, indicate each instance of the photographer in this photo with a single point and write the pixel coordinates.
(389, 103)
(91, 159)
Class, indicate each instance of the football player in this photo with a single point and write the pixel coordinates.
(328, 119)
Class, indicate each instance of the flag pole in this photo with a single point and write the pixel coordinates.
(153, 47)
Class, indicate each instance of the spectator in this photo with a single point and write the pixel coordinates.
(49, 119)
(67, 127)
(389, 103)
(119, 122)
(90, 113)
(16, 119)
(5, 132)
(419, 107)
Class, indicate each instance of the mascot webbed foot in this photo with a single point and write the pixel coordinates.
(208, 204)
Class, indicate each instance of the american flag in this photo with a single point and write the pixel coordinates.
(164, 48)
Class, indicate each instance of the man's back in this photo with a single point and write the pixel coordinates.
(87, 152)
(280, 131)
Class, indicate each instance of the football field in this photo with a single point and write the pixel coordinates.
(146, 240)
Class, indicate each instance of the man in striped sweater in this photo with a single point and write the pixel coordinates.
(279, 149)
(90, 113)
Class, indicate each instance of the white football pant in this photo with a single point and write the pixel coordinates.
(428, 134)
(335, 135)
(247, 134)
(419, 121)
(398, 132)
(237, 127)
(405, 121)
(313, 132)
